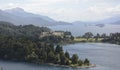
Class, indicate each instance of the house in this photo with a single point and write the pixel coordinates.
(58, 33)
(52, 33)
(44, 34)
(61, 34)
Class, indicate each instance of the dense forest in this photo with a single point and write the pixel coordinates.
(8, 29)
(35, 51)
(22, 43)
(32, 32)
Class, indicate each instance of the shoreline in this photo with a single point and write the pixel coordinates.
(76, 42)
(56, 65)
(70, 66)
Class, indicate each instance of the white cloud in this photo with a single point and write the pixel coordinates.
(69, 10)
(44, 2)
(105, 10)
(96, 12)
(11, 4)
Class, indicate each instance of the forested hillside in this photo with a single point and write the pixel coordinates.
(22, 43)
(8, 29)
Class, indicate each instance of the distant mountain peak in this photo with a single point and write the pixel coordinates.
(20, 17)
(17, 9)
(1, 10)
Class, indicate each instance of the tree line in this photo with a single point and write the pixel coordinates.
(25, 49)
(111, 38)
(22, 43)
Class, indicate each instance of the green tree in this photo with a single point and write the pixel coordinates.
(72, 37)
(88, 35)
(43, 56)
(63, 59)
(74, 59)
(97, 36)
(86, 62)
(57, 58)
(58, 49)
(32, 57)
(51, 57)
(80, 62)
(67, 55)
(68, 62)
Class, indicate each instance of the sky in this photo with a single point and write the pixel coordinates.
(67, 10)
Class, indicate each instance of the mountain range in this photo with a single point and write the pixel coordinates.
(19, 16)
(114, 20)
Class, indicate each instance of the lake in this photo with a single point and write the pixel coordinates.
(105, 56)
(78, 29)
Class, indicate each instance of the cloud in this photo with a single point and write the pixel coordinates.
(44, 2)
(11, 4)
(104, 10)
(96, 12)
(68, 10)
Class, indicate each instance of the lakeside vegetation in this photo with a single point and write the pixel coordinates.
(24, 43)
(89, 37)
(77, 39)
(20, 49)
(34, 44)
(113, 38)
(104, 38)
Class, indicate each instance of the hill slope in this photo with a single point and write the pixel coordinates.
(18, 16)
(8, 29)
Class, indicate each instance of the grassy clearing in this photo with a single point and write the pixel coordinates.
(87, 40)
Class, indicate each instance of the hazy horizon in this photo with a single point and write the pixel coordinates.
(67, 10)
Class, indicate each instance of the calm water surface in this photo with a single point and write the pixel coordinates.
(80, 29)
(105, 56)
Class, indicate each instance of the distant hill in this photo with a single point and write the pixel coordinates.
(111, 20)
(18, 16)
(8, 29)
(115, 20)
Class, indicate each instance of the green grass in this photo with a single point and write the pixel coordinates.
(87, 40)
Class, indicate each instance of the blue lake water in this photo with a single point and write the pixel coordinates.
(105, 56)
(79, 29)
